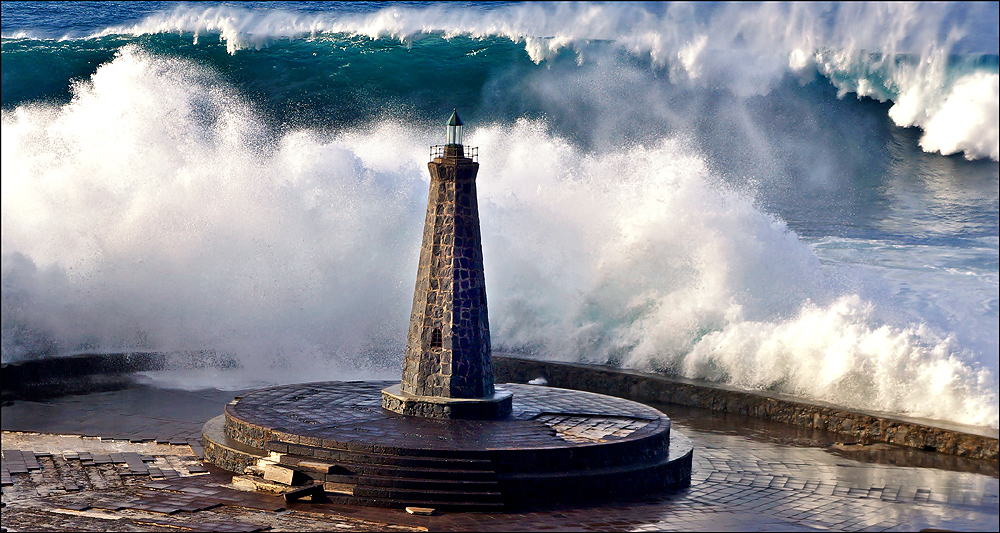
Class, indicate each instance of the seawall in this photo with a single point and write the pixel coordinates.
(36, 379)
(869, 427)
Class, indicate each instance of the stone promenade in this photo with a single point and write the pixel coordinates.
(746, 477)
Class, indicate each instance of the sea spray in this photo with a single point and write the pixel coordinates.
(652, 200)
(643, 259)
(154, 211)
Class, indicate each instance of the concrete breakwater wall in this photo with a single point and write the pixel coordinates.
(957, 439)
(94, 372)
(49, 377)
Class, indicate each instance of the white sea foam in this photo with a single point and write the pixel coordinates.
(746, 48)
(840, 352)
(965, 120)
(958, 111)
(150, 211)
(154, 211)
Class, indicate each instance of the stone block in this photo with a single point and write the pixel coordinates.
(253, 484)
(315, 466)
(296, 449)
(282, 474)
(310, 441)
(338, 488)
(275, 446)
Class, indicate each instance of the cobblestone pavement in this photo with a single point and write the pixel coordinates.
(740, 482)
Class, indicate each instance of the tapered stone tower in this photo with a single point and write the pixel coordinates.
(447, 371)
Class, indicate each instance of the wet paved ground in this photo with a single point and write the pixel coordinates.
(351, 411)
(747, 476)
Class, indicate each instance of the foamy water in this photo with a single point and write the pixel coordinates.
(744, 48)
(158, 210)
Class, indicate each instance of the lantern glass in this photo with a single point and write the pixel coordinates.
(454, 131)
(454, 135)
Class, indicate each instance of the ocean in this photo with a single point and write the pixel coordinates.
(789, 197)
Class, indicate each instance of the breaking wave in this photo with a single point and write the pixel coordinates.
(900, 52)
(158, 208)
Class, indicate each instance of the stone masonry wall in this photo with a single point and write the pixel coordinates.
(643, 387)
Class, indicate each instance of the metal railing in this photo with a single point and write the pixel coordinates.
(471, 152)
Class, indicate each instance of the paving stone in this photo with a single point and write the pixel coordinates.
(198, 450)
(702, 507)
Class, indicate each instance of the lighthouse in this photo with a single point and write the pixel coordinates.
(447, 371)
(445, 436)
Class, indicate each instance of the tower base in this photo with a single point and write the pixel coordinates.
(557, 446)
(488, 408)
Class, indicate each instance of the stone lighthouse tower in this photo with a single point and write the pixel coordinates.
(446, 371)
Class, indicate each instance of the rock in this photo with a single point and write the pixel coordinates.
(253, 484)
(282, 474)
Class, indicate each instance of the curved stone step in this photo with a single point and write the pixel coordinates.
(226, 452)
(327, 455)
(668, 472)
(439, 496)
(440, 474)
(414, 483)
(558, 445)
(400, 504)
(275, 439)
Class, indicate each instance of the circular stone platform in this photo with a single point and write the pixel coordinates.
(556, 445)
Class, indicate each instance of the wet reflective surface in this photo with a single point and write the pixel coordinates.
(747, 476)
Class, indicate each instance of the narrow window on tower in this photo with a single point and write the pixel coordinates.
(436, 341)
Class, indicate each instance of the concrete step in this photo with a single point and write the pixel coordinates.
(400, 504)
(415, 483)
(439, 496)
(313, 453)
(401, 472)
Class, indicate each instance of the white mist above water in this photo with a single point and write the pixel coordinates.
(153, 211)
(157, 215)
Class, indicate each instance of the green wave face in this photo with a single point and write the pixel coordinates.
(331, 80)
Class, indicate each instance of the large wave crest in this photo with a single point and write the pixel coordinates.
(746, 48)
(155, 210)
